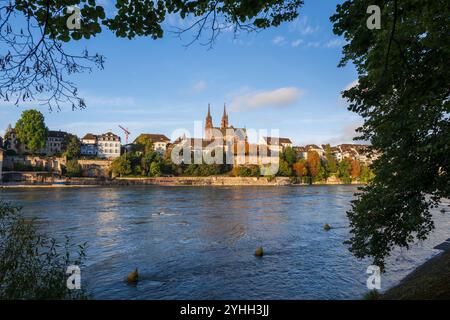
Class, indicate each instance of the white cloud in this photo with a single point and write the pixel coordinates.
(302, 25)
(315, 44)
(262, 99)
(346, 134)
(334, 43)
(199, 86)
(279, 41)
(296, 43)
(109, 101)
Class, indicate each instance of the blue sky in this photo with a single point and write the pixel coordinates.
(282, 78)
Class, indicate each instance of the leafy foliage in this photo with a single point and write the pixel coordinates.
(284, 169)
(155, 169)
(73, 168)
(31, 130)
(300, 169)
(33, 265)
(248, 171)
(345, 170)
(72, 146)
(313, 164)
(331, 162)
(403, 95)
(121, 166)
(289, 155)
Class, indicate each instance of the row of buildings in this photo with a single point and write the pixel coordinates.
(108, 145)
(266, 146)
(104, 146)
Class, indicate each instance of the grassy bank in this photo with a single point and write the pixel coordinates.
(429, 281)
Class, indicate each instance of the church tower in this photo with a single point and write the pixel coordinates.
(224, 123)
(208, 124)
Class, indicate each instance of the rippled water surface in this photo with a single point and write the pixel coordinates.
(198, 242)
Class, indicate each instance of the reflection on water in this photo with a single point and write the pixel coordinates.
(198, 243)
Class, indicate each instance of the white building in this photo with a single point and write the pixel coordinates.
(108, 145)
(89, 145)
(276, 144)
(105, 146)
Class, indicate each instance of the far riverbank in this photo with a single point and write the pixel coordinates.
(54, 181)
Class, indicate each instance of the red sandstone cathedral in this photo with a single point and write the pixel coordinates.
(225, 128)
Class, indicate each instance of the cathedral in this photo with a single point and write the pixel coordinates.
(224, 128)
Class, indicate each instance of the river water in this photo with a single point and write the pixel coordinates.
(199, 242)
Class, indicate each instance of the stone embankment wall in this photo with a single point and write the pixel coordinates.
(95, 168)
(48, 178)
(18, 163)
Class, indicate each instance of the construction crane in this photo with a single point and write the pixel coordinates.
(125, 130)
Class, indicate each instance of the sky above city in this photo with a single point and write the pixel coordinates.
(283, 78)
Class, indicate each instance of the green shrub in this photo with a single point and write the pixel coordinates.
(73, 168)
(33, 265)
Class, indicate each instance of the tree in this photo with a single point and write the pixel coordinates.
(34, 33)
(322, 174)
(331, 163)
(31, 130)
(284, 169)
(290, 155)
(248, 171)
(72, 146)
(300, 168)
(313, 164)
(366, 174)
(345, 170)
(73, 168)
(121, 166)
(403, 96)
(147, 159)
(155, 169)
(356, 169)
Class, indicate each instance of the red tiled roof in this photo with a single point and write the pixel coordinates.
(280, 140)
(155, 137)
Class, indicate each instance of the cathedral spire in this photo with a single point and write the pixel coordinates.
(208, 123)
(224, 122)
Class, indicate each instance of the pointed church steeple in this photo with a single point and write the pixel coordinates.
(208, 123)
(224, 122)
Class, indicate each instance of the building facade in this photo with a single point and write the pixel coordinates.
(55, 142)
(108, 146)
(89, 145)
(105, 146)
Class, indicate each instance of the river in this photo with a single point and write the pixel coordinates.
(199, 242)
